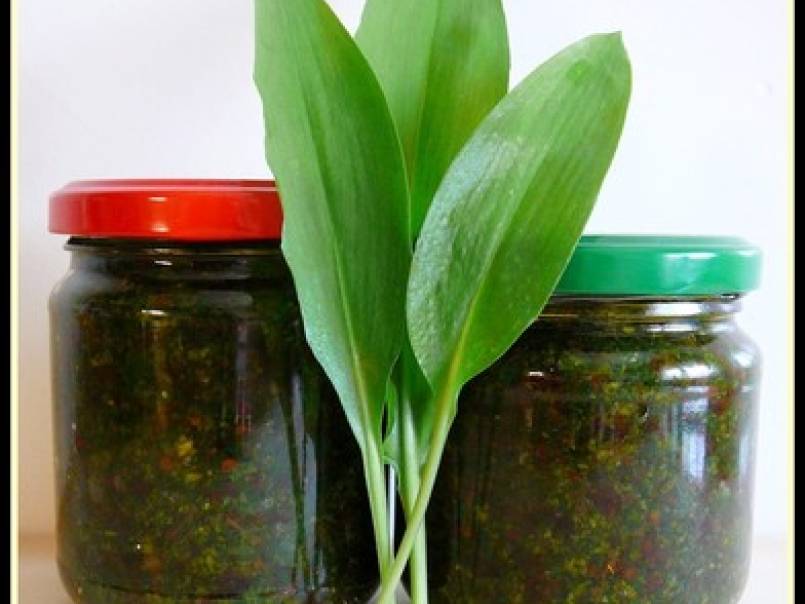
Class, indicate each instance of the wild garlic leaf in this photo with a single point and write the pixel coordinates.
(512, 207)
(501, 229)
(334, 151)
(391, 450)
(409, 402)
(443, 65)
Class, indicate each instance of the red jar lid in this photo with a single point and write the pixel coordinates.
(179, 210)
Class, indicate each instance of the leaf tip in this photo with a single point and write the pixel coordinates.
(610, 50)
(616, 39)
(612, 41)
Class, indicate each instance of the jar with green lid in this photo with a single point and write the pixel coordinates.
(201, 454)
(608, 456)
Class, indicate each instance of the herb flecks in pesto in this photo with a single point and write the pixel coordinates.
(607, 457)
(201, 453)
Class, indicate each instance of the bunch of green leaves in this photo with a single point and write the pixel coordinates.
(429, 213)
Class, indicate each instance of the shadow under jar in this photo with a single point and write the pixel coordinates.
(608, 456)
(201, 454)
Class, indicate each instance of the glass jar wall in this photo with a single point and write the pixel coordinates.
(201, 453)
(607, 457)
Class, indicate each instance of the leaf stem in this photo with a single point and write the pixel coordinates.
(444, 403)
(374, 472)
(409, 489)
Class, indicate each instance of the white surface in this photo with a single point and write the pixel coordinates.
(39, 581)
(111, 88)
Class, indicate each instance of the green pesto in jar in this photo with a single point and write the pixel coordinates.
(608, 456)
(201, 454)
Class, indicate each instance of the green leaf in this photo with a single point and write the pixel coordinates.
(334, 151)
(409, 396)
(391, 437)
(501, 230)
(443, 65)
(512, 207)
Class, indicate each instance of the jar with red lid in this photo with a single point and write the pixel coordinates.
(201, 453)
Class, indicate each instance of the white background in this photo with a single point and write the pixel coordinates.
(114, 88)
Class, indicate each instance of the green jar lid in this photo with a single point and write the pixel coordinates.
(646, 265)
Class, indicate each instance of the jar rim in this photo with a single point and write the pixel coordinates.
(148, 247)
(661, 265)
(640, 309)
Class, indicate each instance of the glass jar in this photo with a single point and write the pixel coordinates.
(608, 456)
(201, 453)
